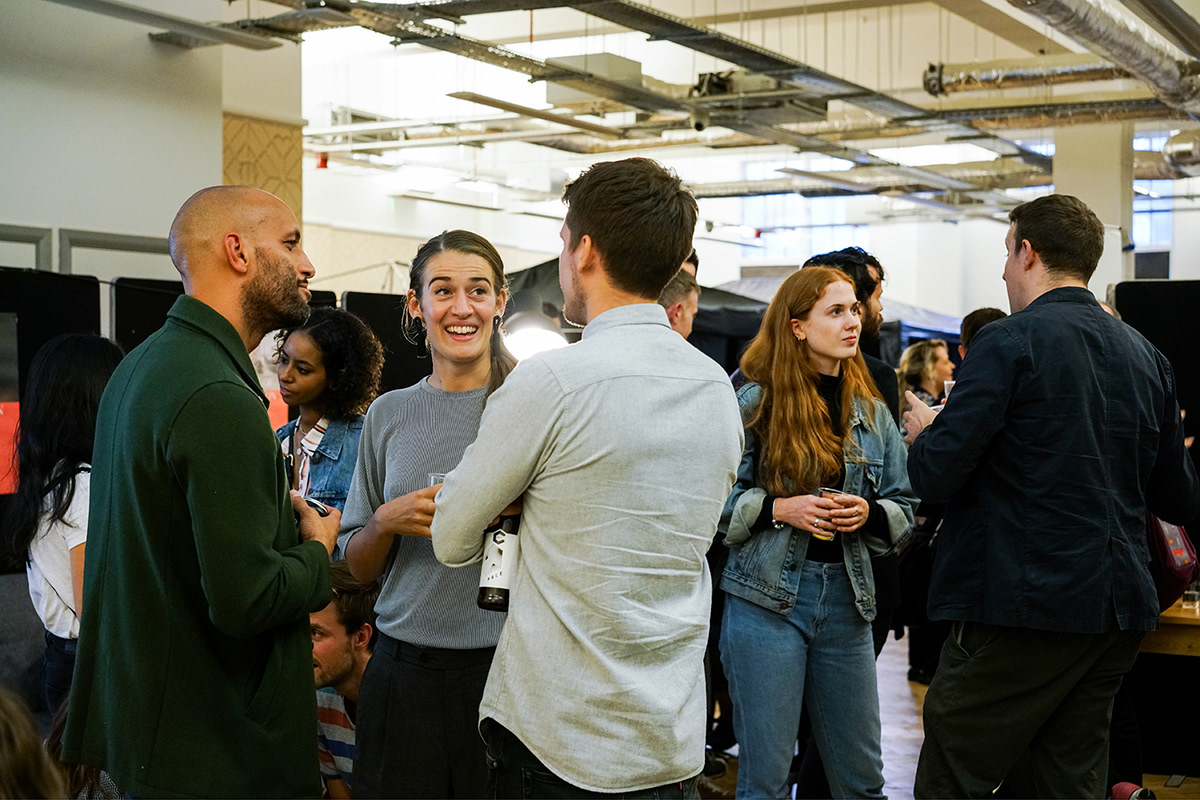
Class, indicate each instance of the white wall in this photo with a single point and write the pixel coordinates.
(103, 129)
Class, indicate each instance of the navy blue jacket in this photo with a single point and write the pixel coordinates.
(1062, 429)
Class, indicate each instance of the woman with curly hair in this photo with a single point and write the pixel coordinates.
(822, 486)
(329, 370)
(924, 368)
(418, 709)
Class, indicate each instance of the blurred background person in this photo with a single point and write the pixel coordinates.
(435, 646)
(47, 520)
(924, 368)
(343, 635)
(681, 300)
(972, 323)
(329, 370)
(26, 769)
(797, 627)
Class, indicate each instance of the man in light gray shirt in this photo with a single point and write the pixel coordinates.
(624, 447)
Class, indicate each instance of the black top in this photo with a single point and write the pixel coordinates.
(885, 378)
(1063, 428)
(829, 388)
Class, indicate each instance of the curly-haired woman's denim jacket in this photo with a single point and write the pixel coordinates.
(764, 563)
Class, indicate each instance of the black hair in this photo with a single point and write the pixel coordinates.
(471, 244)
(1063, 231)
(640, 219)
(853, 261)
(352, 357)
(694, 260)
(56, 432)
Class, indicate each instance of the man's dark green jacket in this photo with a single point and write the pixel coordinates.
(194, 671)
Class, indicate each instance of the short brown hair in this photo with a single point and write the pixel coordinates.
(678, 288)
(1063, 231)
(353, 599)
(640, 218)
(974, 321)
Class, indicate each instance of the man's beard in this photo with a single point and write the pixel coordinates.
(272, 300)
(574, 309)
(870, 326)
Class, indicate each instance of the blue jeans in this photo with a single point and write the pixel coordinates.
(820, 656)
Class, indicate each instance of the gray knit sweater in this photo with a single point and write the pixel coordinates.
(408, 434)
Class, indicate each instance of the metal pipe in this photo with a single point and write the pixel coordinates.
(1018, 73)
(1128, 43)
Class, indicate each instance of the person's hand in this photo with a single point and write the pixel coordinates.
(917, 418)
(408, 515)
(807, 513)
(851, 513)
(1187, 440)
(511, 510)
(315, 527)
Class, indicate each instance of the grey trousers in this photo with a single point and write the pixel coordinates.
(1030, 708)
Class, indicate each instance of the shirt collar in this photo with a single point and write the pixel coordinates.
(1066, 294)
(203, 318)
(633, 314)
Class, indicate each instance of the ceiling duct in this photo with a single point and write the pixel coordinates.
(1128, 43)
(1182, 151)
(942, 79)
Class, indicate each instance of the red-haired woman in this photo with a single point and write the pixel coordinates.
(822, 486)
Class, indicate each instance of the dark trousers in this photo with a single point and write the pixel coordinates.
(417, 730)
(1030, 708)
(57, 669)
(514, 772)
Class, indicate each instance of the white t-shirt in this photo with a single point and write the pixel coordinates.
(49, 567)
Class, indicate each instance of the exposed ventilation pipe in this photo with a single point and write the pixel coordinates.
(1127, 43)
(1018, 73)
(1182, 151)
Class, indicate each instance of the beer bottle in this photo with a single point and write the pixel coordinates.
(499, 560)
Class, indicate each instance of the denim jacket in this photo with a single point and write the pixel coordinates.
(764, 565)
(333, 462)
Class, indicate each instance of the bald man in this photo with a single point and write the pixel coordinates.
(194, 670)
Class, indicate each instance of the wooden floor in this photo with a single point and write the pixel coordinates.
(900, 710)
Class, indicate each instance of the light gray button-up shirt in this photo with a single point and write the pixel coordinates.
(625, 447)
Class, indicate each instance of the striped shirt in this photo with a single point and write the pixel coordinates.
(335, 736)
(408, 435)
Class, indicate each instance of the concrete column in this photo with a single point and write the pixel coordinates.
(1095, 163)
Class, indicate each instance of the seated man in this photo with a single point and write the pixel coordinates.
(343, 635)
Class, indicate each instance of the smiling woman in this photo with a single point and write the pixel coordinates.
(435, 645)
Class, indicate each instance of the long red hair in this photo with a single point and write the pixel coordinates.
(799, 451)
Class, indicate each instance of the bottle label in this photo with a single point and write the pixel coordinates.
(500, 555)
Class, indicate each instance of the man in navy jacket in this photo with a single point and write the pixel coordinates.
(1063, 430)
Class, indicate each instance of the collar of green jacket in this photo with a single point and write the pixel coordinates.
(204, 318)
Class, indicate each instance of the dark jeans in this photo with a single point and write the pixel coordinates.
(417, 729)
(57, 669)
(514, 772)
(1030, 708)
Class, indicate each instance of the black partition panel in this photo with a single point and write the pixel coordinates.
(140, 306)
(35, 306)
(1165, 312)
(404, 363)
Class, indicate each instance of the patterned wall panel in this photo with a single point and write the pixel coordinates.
(267, 155)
